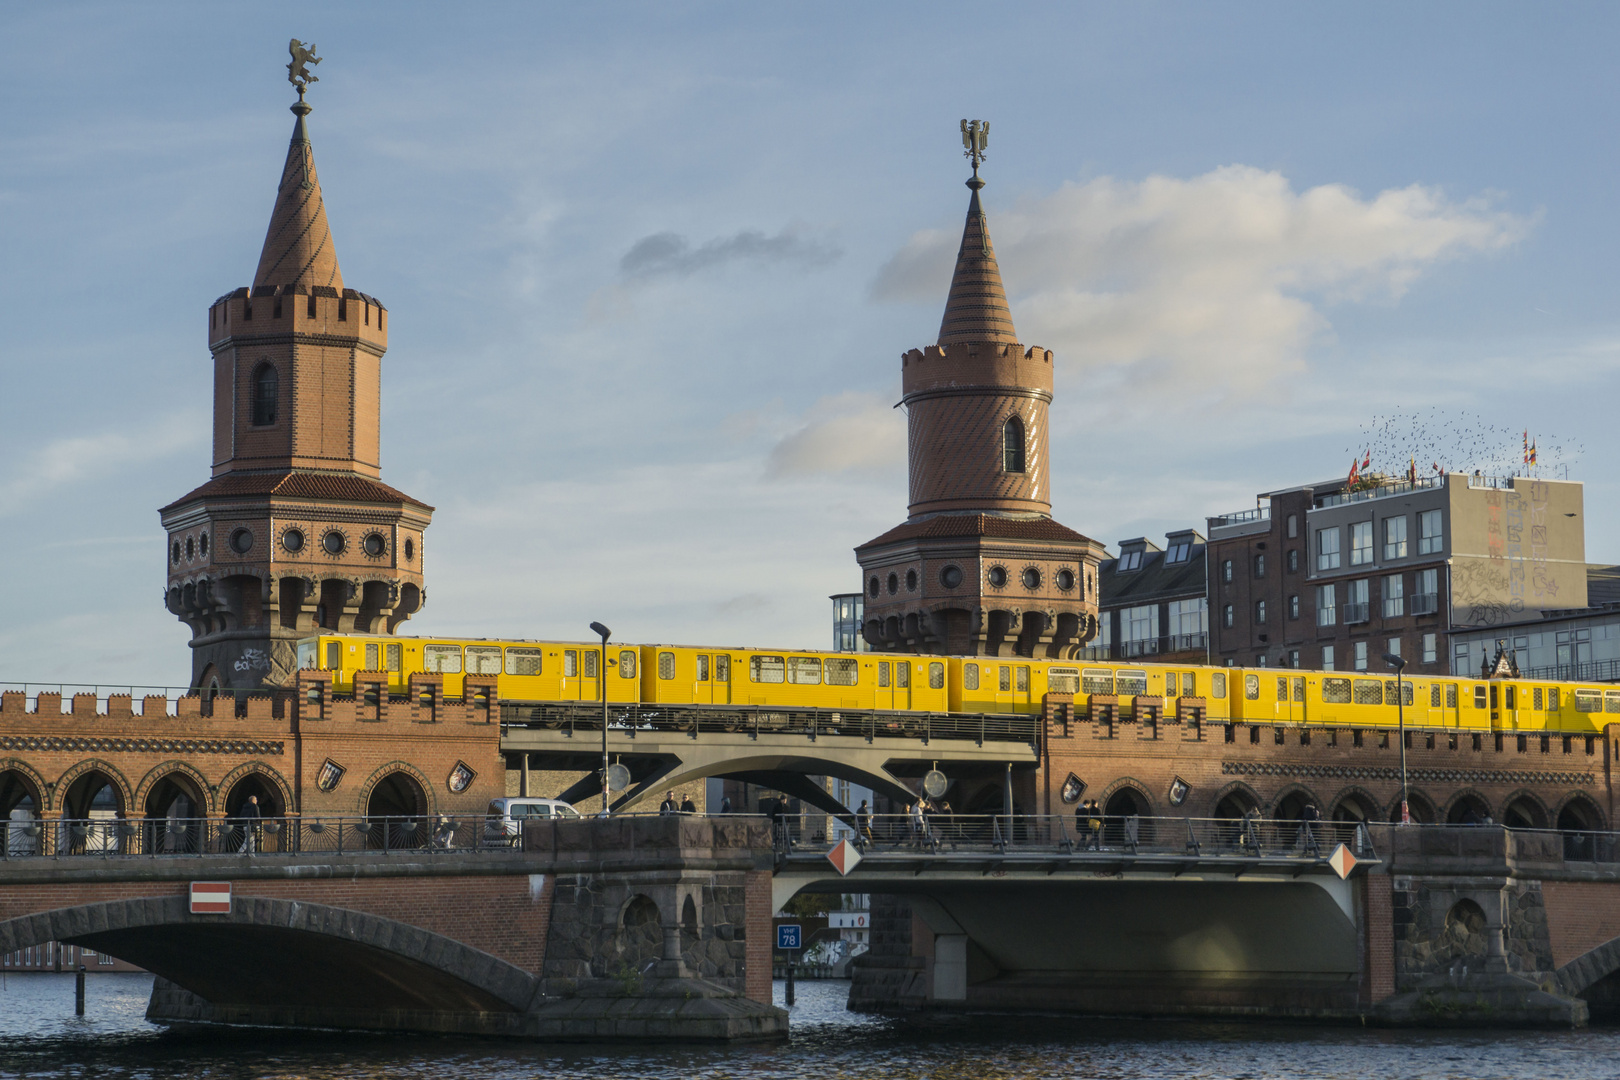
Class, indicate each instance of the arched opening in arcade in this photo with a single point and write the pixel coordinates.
(1468, 809)
(397, 810)
(1579, 820)
(19, 809)
(173, 811)
(92, 808)
(1118, 827)
(1235, 804)
(1418, 805)
(641, 934)
(241, 833)
(1524, 812)
(1353, 809)
(1464, 934)
(1291, 807)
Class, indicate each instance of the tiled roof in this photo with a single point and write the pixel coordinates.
(299, 485)
(963, 525)
(1156, 579)
(298, 245)
(976, 312)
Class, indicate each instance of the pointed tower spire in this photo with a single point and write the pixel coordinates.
(976, 312)
(298, 245)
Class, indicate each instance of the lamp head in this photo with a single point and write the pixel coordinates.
(1394, 661)
(601, 631)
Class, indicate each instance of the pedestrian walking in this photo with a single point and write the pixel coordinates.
(669, 806)
(1309, 817)
(863, 823)
(687, 805)
(251, 816)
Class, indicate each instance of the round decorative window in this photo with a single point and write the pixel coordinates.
(241, 541)
(293, 540)
(375, 545)
(951, 577)
(333, 542)
(202, 544)
(872, 587)
(1065, 579)
(894, 584)
(911, 581)
(1032, 578)
(998, 576)
(176, 553)
(191, 547)
(410, 550)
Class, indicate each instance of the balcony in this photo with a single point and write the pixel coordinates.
(1425, 603)
(1382, 491)
(1355, 613)
(1242, 517)
(1132, 650)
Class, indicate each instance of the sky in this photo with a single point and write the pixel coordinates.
(651, 268)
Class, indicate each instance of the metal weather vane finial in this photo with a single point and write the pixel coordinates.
(298, 72)
(975, 137)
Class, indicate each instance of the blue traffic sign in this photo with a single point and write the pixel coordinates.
(787, 936)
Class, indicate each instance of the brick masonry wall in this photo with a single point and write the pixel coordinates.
(1378, 955)
(758, 962)
(1581, 915)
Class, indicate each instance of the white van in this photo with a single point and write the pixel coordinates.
(505, 817)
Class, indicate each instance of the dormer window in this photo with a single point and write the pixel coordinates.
(1012, 445)
(266, 389)
(1179, 552)
(1130, 560)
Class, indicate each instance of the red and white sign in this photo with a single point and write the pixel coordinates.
(844, 857)
(1342, 861)
(210, 898)
(849, 920)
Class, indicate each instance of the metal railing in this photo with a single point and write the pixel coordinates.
(1425, 603)
(1382, 491)
(1241, 517)
(1355, 613)
(58, 838)
(1591, 671)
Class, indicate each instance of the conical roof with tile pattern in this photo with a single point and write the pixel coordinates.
(298, 245)
(976, 312)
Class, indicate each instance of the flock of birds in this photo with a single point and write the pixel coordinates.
(1437, 441)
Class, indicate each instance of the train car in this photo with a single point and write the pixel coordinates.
(792, 679)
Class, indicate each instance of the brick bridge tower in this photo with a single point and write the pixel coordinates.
(295, 533)
(979, 568)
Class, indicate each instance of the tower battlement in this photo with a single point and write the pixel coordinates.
(307, 309)
(990, 365)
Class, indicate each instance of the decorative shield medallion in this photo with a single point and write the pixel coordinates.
(461, 777)
(1072, 789)
(330, 776)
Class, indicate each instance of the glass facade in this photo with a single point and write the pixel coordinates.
(849, 610)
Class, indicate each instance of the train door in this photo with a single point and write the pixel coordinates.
(703, 679)
(1291, 698)
(579, 682)
(1510, 707)
(590, 684)
(1004, 688)
(722, 679)
(902, 684)
(883, 695)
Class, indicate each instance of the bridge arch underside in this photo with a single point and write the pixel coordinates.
(1162, 946)
(292, 963)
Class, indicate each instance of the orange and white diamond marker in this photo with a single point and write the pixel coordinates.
(844, 857)
(1342, 861)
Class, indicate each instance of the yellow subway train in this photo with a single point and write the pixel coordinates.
(544, 672)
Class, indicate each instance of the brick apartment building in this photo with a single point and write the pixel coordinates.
(1333, 578)
(1154, 601)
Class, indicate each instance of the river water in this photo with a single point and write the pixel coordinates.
(40, 1037)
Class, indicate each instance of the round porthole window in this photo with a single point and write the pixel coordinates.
(191, 547)
(1032, 578)
(872, 586)
(241, 541)
(951, 577)
(1065, 579)
(894, 584)
(410, 550)
(176, 553)
(911, 581)
(375, 545)
(333, 542)
(293, 540)
(998, 576)
(202, 544)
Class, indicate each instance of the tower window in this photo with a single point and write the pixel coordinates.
(266, 388)
(1012, 445)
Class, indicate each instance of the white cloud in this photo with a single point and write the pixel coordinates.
(844, 432)
(63, 462)
(1221, 278)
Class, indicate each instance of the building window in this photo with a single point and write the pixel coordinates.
(1129, 560)
(1260, 565)
(1361, 552)
(1326, 611)
(1293, 607)
(1226, 616)
(1012, 445)
(873, 588)
(266, 385)
(1260, 612)
(1361, 656)
(1327, 549)
(1395, 537)
(1394, 596)
(1429, 650)
(1189, 622)
(1327, 658)
(1394, 646)
(1427, 599)
(1293, 658)
(1226, 570)
(1293, 526)
(894, 584)
(1180, 551)
(1139, 630)
(1293, 560)
(1356, 602)
(1431, 534)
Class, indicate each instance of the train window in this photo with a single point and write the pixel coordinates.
(666, 665)
(936, 676)
(1511, 697)
(1189, 684)
(805, 670)
(1131, 681)
(1097, 681)
(1217, 685)
(570, 663)
(1251, 687)
(1451, 695)
(306, 654)
(523, 661)
(1494, 696)
(1406, 693)
(1299, 689)
(766, 669)
(1063, 680)
(1169, 684)
(1434, 696)
(373, 656)
(1535, 698)
(334, 656)
(1588, 701)
(627, 664)
(483, 659)
(1611, 701)
(1479, 697)
(1368, 692)
(590, 663)
(393, 654)
(441, 659)
(902, 675)
(883, 673)
(702, 668)
(970, 676)
(722, 669)
(1335, 691)
(1023, 680)
(1552, 697)
(1004, 679)
(1282, 688)
(842, 672)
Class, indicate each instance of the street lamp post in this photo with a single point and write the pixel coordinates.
(1400, 718)
(601, 674)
